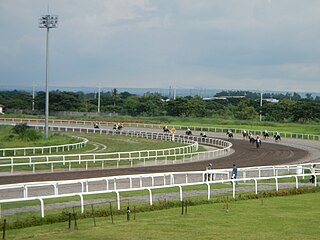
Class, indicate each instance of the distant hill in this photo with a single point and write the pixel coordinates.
(203, 92)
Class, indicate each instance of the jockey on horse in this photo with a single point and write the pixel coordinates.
(244, 134)
(203, 134)
(188, 132)
(258, 141)
(117, 126)
(165, 129)
(229, 133)
(265, 134)
(277, 137)
(251, 138)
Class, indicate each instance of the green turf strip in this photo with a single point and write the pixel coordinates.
(290, 217)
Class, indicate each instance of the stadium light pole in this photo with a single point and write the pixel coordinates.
(261, 106)
(47, 21)
(33, 97)
(99, 100)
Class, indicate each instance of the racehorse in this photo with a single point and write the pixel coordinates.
(265, 134)
(203, 134)
(258, 142)
(277, 137)
(188, 132)
(251, 139)
(166, 129)
(117, 126)
(230, 134)
(95, 125)
(245, 134)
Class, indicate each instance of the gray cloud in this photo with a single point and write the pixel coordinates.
(261, 44)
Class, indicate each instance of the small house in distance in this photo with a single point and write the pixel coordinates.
(1, 109)
(272, 100)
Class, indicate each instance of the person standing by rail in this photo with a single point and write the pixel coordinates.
(207, 175)
(313, 172)
(234, 173)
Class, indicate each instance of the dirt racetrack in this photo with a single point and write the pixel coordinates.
(245, 155)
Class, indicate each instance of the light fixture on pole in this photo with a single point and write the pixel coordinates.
(47, 21)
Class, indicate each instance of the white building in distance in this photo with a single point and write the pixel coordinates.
(1, 109)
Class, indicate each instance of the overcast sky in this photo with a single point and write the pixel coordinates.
(216, 44)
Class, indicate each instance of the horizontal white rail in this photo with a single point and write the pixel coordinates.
(149, 180)
(45, 149)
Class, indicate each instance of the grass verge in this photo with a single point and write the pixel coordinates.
(290, 217)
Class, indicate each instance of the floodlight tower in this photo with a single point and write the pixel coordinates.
(33, 97)
(99, 100)
(261, 105)
(47, 21)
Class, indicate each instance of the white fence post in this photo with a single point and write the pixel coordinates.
(150, 196)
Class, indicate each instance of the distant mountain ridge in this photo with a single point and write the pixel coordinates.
(182, 92)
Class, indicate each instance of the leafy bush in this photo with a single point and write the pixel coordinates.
(20, 129)
(25, 132)
(32, 135)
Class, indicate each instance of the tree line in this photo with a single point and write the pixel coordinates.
(290, 108)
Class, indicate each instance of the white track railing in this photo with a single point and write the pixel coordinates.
(194, 128)
(233, 182)
(111, 183)
(161, 156)
(45, 149)
(151, 180)
(116, 157)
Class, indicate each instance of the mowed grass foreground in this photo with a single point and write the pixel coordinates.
(290, 217)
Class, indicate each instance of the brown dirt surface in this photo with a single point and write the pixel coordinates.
(245, 155)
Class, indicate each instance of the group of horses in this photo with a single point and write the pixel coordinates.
(116, 126)
(265, 134)
(167, 130)
(257, 140)
(245, 135)
(188, 131)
